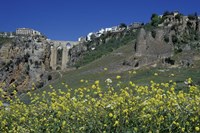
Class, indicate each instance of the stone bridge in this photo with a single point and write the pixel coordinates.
(59, 53)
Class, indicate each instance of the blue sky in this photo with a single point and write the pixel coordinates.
(70, 19)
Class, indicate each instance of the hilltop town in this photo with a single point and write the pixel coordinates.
(28, 58)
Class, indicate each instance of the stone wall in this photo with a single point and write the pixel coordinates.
(65, 46)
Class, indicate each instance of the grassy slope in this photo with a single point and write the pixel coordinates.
(94, 71)
(113, 61)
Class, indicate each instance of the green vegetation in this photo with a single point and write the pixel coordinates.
(4, 40)
(166, 38)
(174, 39)
(179, 16)
(122, 25)
(113, 62)
(153, 33)
(193, 16)
(105, 48)
(166, 13)
(155, 20)
(104, 95)
(116, 107)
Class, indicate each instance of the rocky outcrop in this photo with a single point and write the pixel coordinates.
(174, 35)
(24, 63)
(76, 53)
(150, 47)
(154, 46)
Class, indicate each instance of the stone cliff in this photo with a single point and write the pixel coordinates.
(24, 62)
(173, 36)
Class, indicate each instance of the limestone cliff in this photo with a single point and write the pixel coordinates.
(162, 42)
(27, 60)
(24, 63)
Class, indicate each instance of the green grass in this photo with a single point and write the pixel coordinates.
(113, 61)
(105, 48)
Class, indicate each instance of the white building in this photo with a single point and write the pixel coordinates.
(114, 29)
(102, 31)
(108, 29)
(27, 31)
(81, 39)
(175, 13)
(89, 36)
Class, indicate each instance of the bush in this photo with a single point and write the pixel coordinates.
(49, 77)
(123, 25)
(153, 33)
(179, 50)
(4, 40)
(178, 16)
(166, 13)
(166, 38)
(191, 17)
(155, 20)
(174, 39)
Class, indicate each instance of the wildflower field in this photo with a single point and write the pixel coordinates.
(153, 108)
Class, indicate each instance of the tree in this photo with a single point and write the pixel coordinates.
(153, 33)
(122, 25)
(166, 38)
(174, 39)
(178, 16)
(155, 20)
(167, 13)
(192, 16)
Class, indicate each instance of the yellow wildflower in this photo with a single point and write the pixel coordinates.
(110, 115)
(197, 129)
(118, 77)
(116, 123)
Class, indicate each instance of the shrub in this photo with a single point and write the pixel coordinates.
(4, 40)
(155, 20)
(174, 39)
(123, 25)
(153, 33)
(178, 16)
(166, 38)
(191, 17)
(166, 13)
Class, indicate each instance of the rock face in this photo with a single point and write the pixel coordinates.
(24, 61)
(147, 45)
(150, 47)
(76, 53)
(173, 36)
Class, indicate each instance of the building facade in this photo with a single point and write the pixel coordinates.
(27, 31)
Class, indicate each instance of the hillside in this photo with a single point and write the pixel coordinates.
(132, 79)
(112, 65)
(169, 42)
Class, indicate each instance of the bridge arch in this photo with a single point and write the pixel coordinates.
(59, 53)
